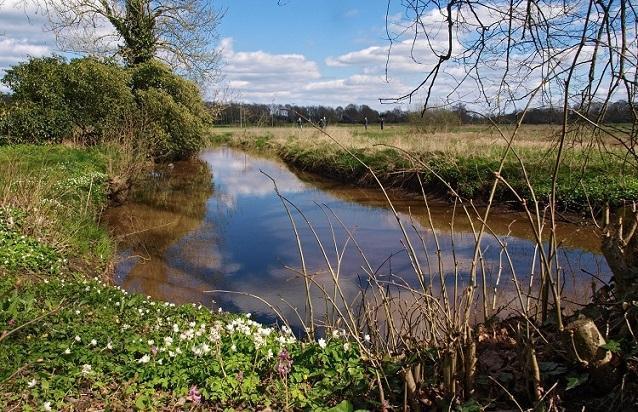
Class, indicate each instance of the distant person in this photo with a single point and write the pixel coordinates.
(299, 123)
(322, 122)
(365, 122)
(381, 120)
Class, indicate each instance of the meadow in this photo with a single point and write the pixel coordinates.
(594, 171)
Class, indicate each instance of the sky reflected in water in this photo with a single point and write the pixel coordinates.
(218, 224)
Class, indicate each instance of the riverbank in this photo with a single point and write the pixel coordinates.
(465, 158)
(71, 340)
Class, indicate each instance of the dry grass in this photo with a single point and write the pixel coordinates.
(475, 140)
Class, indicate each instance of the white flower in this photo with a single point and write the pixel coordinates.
(171, 353)
(233, 348)
(67, 351)
(346, 346)
(109, 346)
(219, 310)
(335, 333)
(269, 355)
(47, 406)
(160, 362)
(93, 342)
(86, 369)
(175, 327)
(77, 338)
(144, 359)
(32, 383)
(366, 338)
(151, 342)
(248, 315)
(322, 343)
(168, 341)
(77, 312)
(117, 303)
(191, 324)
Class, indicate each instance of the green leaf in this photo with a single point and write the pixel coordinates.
(470, 406)
(612, 346)
(345, 406)
(576, 380)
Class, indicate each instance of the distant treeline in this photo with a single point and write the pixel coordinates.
(238, 114)
(278, 115)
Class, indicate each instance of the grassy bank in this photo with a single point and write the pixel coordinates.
(465, 157)
(71, 341)
(68, 340)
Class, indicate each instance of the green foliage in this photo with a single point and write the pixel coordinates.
(91, 101)
(38, 112)
(576, 379)
(613, 346)
(96, 336)
(99, 97)
(177, 114)
(63, 189)
(23, 253)
(53, 100)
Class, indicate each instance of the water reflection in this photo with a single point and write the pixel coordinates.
(185, 233)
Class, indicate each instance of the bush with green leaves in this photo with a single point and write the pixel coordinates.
(38, 112)
(99, 97)
(90, 101)
(175, 112)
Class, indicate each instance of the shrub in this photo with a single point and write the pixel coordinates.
(91, 101)
(173, 107)
(99, 97)
(38, 112)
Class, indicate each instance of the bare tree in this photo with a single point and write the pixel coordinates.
(577, 55)
(183, 33)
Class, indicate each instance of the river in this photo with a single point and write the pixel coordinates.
(217, 224)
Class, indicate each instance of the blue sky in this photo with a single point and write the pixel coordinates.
(319, 33)
(317, 29)
(330, 52)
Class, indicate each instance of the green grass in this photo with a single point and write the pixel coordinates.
(60, 191)
(70, 341)
(586, 176)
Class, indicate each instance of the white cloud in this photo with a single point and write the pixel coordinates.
(351, 13)
(259, 76)
(22, 34)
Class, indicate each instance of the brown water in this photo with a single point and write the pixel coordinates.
(218, 225)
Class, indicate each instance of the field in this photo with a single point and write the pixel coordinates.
(592, 171)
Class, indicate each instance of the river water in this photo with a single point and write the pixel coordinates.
(218, 224)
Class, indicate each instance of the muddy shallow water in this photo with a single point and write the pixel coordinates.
(219, 225)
